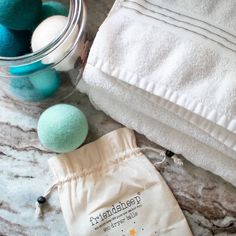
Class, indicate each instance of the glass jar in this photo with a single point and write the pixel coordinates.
(47, 76)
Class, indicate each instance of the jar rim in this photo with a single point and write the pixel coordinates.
(76, 12)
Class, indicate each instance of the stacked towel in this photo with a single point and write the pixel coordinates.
(167, 69)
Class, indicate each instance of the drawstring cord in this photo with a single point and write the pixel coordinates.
(43, 199)
(164, 154)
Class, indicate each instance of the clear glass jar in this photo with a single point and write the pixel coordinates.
(42, 77)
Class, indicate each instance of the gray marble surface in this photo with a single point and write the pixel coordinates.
(208, 202)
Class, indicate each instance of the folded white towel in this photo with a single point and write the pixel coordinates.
(118, 102)
(176, 71)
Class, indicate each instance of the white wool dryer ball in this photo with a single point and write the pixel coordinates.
(49, 30)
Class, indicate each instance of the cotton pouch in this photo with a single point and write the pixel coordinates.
(109, 188)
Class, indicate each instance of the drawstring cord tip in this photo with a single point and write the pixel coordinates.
(39, 206)
(177, 160)
(40, 203)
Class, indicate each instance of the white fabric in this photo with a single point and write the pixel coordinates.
(109, 188)
(200, 153)
(175, 71)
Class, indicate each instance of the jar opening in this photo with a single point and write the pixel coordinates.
(77, 15)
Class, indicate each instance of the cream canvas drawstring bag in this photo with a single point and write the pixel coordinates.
(109, 188)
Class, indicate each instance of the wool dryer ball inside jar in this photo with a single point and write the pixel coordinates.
(13, 43)
(52, 8)
(47, 32)
(20, 14)
(62, 128)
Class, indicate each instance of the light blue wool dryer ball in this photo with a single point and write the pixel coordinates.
(62, 128)
(20, 14)
(13, 43)
(52, 8)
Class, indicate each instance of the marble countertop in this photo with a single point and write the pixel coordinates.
(208, 202)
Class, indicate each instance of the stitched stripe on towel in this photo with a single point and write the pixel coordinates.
(187, 23)
(192, 19)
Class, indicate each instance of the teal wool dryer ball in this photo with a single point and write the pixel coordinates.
(46, 82)
(13, 43)
(34, 87)
(62, 128)
(20, 14)
(23, 89)
(52, 8)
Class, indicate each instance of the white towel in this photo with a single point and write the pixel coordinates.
(173, 70)
(208, 154)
